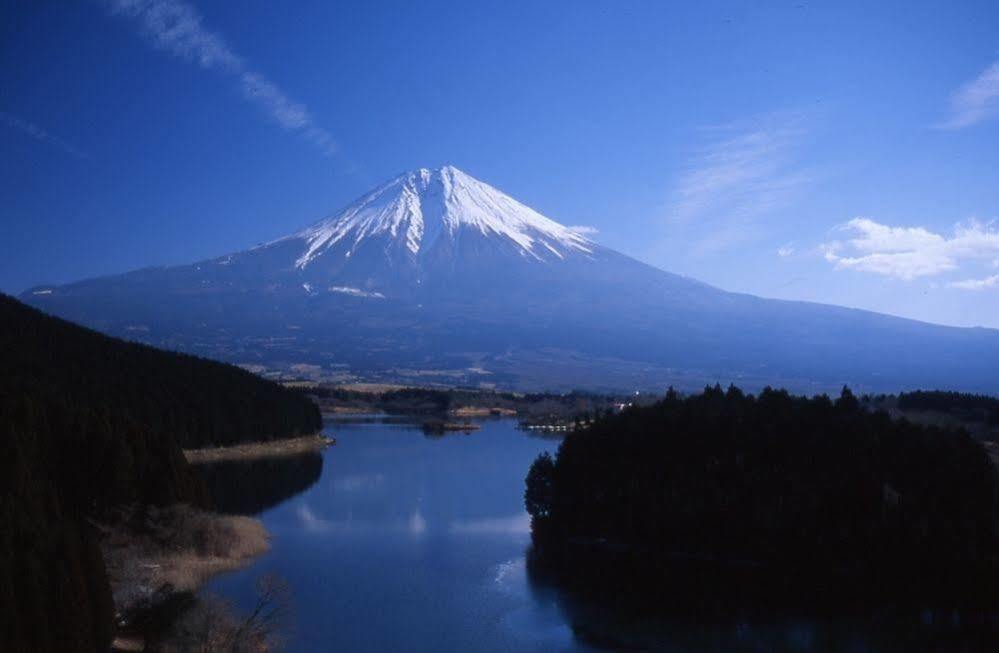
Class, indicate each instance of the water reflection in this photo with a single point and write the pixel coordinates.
(604, 624)
(248, 487)
(355, 419)
(410, 544)
(514, 524)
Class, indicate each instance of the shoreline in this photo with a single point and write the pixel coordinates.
(254, 450)
(158, 569)
(162, 564)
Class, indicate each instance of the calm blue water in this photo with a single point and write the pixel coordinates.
(409, 543)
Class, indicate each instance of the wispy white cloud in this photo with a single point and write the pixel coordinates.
(977, 284)
(288, 113)
(745, 171)
(36, 132)
(976, 101)
(584, 230)
(910, 252)
(785, 250)
(176, 27)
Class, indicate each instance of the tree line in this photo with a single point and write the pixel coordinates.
(727, 494)
(963, 406)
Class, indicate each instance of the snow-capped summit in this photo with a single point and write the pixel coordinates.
(438, 277)
(429, 211)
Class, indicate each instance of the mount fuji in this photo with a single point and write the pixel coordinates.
(436, 276)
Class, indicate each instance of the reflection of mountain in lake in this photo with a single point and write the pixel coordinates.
(248, 487)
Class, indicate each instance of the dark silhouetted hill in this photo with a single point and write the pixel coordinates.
(89, 423)
(723, 496)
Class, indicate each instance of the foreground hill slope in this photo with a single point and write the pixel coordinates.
(89, 424)
(198, 402)
(437, 272)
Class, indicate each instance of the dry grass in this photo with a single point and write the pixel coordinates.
(276, 448)
(156, 553)
(483, 411)
(348, 410)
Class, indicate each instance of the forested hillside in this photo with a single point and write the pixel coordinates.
(89, 423)
(724, 494)
(965, 407)
(199, 402)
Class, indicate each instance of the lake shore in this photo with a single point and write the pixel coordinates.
(253, 450)
(157, 559)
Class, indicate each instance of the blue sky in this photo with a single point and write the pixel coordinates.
(843, 152)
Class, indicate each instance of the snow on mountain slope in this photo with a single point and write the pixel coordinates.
(425, 207)
(436, 271)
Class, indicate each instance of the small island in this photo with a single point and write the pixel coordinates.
(440, 427)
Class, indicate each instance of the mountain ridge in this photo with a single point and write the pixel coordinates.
(434, 275)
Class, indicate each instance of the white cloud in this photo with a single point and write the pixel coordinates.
(288, 113)
(744, 172)
(584, 230)
(39, 134)
(785, 250)
(976, 101)
(175, 27)
(977, 284)
(910, 252)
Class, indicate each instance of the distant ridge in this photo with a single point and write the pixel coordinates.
(439, 277)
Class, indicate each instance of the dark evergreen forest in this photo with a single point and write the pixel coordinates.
(90, 423)
(723, 496)
(967, 407)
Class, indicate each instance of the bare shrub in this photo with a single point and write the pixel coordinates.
(213, 625)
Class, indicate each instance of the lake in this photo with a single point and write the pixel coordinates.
(408, 542)
(396, 541)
